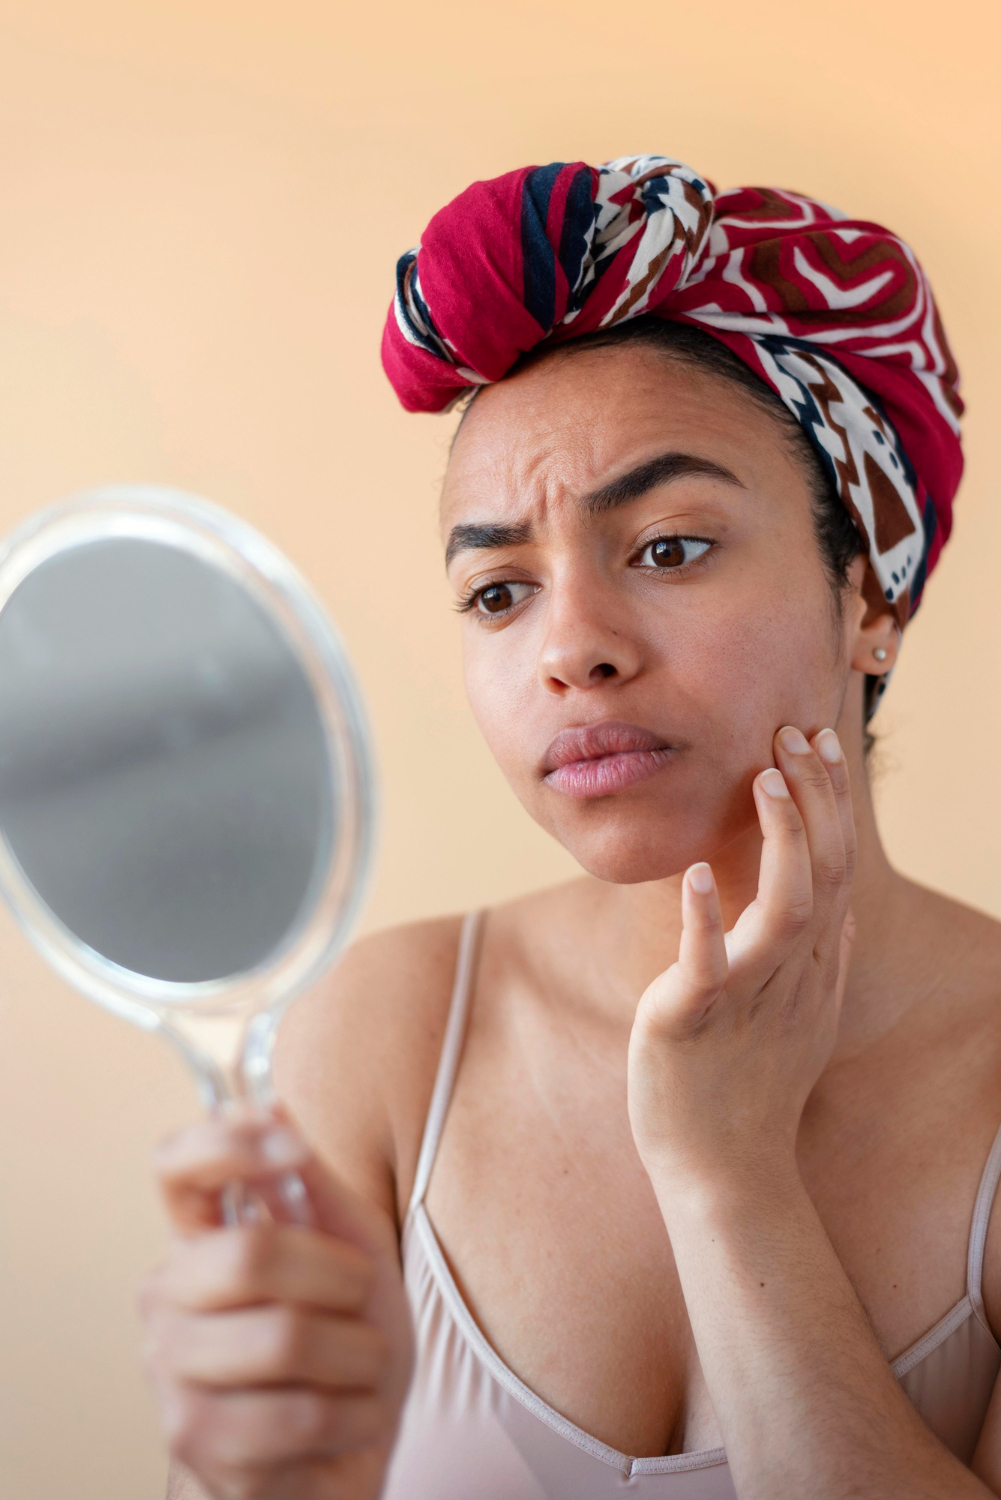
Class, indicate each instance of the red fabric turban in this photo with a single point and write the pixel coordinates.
(835, 314)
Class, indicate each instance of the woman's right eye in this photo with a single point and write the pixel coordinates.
(498, 598)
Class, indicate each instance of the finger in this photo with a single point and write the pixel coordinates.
(245, 1429)
(810, 785)
(197, 1164)
(271, 1346)
(783, 906)
(265, 1150)
(702, 956)
(678, 1000)
(845, 948)
(828, 748)
(250, 1264)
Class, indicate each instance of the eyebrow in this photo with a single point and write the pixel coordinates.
(483, 536)
(647, 476)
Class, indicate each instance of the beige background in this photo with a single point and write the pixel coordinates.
(201, 202)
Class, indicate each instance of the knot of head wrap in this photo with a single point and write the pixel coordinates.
(834, 314)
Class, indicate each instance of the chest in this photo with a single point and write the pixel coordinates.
(557, 1244)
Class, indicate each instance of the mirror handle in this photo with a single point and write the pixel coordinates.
(240, 1205)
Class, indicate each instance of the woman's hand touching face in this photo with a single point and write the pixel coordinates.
(279, 1354)
(728, 1043)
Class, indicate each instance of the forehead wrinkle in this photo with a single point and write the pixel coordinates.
(636, 482)
(533, 511)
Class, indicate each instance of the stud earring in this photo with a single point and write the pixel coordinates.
(880, 653)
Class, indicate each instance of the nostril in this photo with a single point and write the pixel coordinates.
(606, 669)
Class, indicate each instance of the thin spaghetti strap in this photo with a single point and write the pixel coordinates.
(451, 1049)
(978, 1229)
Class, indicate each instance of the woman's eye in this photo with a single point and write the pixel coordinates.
(672, 551)
(497, 598)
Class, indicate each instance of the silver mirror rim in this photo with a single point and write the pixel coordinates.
(175, 517)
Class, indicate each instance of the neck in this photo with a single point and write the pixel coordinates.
(646, 925)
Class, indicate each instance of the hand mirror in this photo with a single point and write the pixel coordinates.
(185, 780)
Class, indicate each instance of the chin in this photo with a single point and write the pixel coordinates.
(626, 845)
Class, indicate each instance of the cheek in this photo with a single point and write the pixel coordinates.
(751, 661)
(721, 678)
(501, 676)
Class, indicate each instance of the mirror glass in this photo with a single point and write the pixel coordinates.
(164, 778)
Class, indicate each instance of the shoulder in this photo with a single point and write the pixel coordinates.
(960, 950)
(356, 1056)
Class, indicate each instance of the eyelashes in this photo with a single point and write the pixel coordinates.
(672, 552)
(663, 554)
(497, 598)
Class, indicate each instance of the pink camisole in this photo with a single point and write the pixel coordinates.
(472, 1430)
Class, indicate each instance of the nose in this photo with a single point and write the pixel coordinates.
(587, 642)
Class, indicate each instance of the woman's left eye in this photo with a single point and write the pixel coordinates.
(672, 551)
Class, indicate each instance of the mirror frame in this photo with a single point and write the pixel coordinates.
(174, 518)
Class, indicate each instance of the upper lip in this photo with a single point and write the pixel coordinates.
(592, 741)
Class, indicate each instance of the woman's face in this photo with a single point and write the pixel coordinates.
(631, 542)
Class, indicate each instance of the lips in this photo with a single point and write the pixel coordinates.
(596, 760)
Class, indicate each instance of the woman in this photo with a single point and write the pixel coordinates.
(679, 1162)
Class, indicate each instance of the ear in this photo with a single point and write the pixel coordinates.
(871, 623)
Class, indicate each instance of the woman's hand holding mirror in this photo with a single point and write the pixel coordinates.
(728, 1043)
(280, 1354)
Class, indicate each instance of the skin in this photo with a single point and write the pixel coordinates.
(673, 1156)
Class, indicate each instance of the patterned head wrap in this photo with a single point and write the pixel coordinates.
(835, 314)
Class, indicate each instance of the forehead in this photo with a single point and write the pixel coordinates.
(563, 425)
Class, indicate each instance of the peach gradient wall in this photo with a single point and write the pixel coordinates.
(201, 202)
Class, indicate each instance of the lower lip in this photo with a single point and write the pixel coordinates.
(607, 774)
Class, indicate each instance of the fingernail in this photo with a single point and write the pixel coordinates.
(282, 1148)
(794, 741)
(829, 746)
(700, 878)
(774, 783)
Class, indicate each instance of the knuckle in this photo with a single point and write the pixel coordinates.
(851, 861)
(168, 1338)
(220, 1446)
(795, 918)
(829, 871)
(839, 780)
(791, 823)
(254, 1250)
(182, 1440)
(309, 1419)
(814, 776)
(182, 1416)
(287, 1343)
